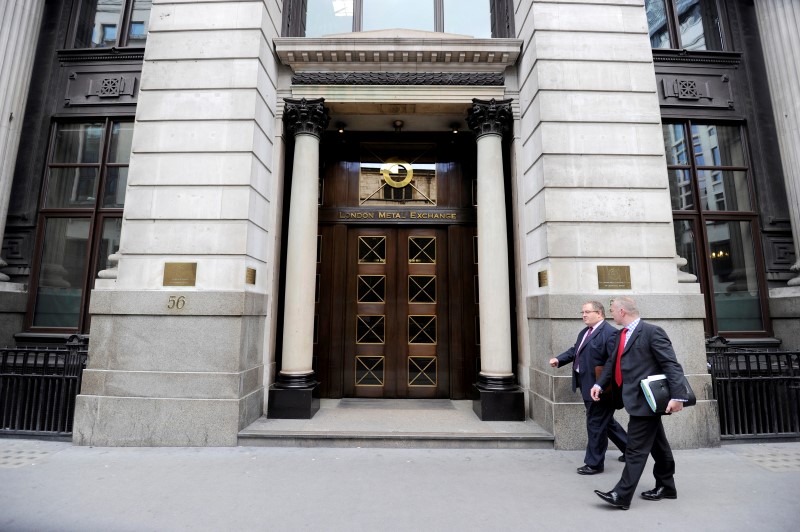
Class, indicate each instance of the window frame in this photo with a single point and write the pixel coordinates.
(97, 214)
(673, 23)
(698, 217)
(123, 23)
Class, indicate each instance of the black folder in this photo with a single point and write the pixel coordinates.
(656, 391)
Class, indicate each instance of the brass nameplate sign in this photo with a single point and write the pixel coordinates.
(396, 215)
(543, 278)
(180, 273)
(614, 277)
(250, 276)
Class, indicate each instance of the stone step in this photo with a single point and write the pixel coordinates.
(408, 423)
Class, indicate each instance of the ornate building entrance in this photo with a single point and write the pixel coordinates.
(397, 299)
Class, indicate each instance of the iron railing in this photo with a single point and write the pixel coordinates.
(757, 391)
(38, 386)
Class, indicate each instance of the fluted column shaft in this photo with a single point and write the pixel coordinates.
(778, 22)
(19, 32)
(306, 119)
(490, 120)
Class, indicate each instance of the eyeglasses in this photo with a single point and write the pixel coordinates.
(589, 312)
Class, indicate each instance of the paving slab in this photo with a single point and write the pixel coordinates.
(55, 486)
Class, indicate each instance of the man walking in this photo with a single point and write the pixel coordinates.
(641, 350)
(591, 350)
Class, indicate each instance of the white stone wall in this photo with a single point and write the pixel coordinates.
(589, 149)
(201, 186)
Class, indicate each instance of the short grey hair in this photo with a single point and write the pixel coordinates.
(626, 303)
(597, 306)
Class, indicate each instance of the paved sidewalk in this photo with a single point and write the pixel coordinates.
(55, 486)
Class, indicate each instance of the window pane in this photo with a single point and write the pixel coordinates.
(140, 17)
(680, 190)
(109, 244)
(326, 17)
(699, 25)
(389, 14)
(723, 191)
(717, 145)
(733, 268)
(116, 181)
(71, 187)
(675, 144)
(468, 17)
(97, 23)
(410, 169)
(657, 23)
(121, 136)
(686, 245)
(63, 273)
(78, 143)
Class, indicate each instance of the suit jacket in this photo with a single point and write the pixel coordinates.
(594, 352)
(648, 352)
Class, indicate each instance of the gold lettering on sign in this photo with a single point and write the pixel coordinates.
(396, 215)
(614, 277)
(180, 273)
(250, 276)
(543, 278)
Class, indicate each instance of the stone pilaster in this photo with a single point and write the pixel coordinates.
(19, 32)
(500, 397)
(295, 394)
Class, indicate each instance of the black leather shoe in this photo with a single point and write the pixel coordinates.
(656, 494)
(621, 458)
(589, 470)
(613, 498)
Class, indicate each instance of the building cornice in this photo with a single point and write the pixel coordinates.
(397, 51)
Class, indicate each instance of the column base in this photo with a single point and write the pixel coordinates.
(293, 397)
(499, 399)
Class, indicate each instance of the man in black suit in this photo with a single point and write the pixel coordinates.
(641, 350)
(591, 350)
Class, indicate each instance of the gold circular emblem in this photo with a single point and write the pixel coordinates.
(392, 168)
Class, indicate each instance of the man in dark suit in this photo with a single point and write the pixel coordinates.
(641, 350)
(591, 350)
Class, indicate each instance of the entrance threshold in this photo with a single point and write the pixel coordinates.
(399, 423)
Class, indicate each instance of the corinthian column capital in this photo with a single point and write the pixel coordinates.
(305, 116)
(491, 117)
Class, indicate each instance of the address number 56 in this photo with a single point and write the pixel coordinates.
(177, 302)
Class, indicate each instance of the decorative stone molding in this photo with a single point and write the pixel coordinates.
(305, 116)
(110, 273)
(491, 117)
(398, 78)
(684, 277)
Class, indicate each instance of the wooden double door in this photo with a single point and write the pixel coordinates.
(397, 312)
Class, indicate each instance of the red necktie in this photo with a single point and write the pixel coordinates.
(617, 368)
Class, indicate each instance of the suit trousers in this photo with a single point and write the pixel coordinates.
(646, 436)
(601, 427)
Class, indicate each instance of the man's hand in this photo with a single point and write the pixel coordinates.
(553, 362)
(674, 406)
(596, 391)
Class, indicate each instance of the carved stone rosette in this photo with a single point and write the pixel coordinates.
(305, 116)
(491, 117)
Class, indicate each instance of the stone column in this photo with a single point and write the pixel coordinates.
(500, 397)
(19, 31)
(777, 21)
(295, 395)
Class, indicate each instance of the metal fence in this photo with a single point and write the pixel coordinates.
(38, 386)
(757, 392)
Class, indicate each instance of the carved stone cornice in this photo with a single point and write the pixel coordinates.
(305, 116)
(485, 79)
(491, 117)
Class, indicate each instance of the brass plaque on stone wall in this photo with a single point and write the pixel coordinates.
(250, 276)
(180, 273)
(543, 278)
(614, 277)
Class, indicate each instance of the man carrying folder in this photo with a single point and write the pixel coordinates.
(641, 350)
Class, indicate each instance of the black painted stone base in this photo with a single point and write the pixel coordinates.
(499, 399)
(293, 403)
